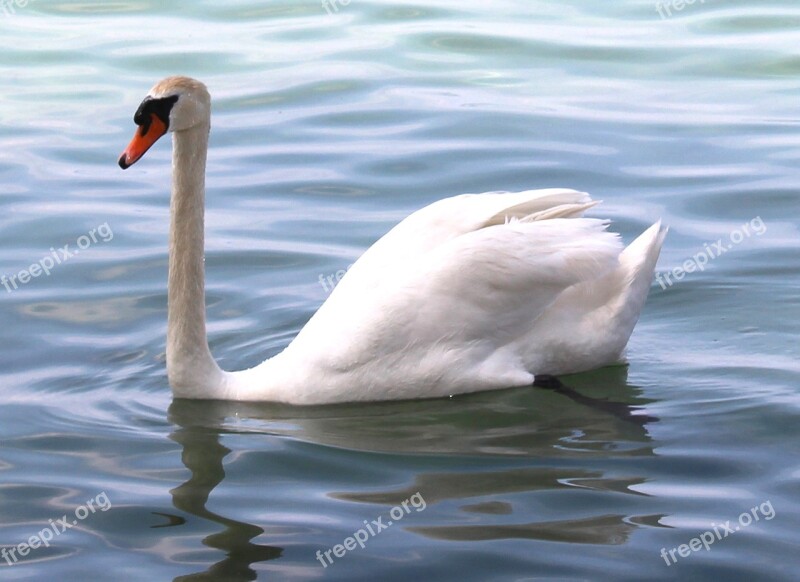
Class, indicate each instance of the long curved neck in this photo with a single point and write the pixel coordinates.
(192, 371)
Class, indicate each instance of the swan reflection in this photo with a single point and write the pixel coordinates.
(494, 446)
(203, 454)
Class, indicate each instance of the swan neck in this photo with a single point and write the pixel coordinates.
(190, 365)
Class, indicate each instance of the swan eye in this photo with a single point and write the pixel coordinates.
(160, 107)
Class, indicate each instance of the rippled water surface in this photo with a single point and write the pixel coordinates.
(330, 125)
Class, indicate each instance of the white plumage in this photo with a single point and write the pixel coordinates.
(474, 292)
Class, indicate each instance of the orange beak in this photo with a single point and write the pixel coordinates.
(145, 136)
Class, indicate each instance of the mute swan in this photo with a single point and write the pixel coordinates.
(474, 292)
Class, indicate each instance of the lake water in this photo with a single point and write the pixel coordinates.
(330, 125)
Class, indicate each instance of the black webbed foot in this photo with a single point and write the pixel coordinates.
(618, 409)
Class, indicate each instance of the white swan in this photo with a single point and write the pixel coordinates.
(474, 292)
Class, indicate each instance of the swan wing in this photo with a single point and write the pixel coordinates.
(448, 320)
(444, 220)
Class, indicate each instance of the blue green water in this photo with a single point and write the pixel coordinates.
(330, 126)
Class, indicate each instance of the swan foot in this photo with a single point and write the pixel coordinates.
(547, 381)
(618, 409)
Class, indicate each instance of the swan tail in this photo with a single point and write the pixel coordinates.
(641, 255)
(590, 323)
(637, 266)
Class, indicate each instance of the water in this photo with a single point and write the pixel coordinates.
(327, 130)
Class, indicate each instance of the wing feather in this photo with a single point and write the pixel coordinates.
(478, 291)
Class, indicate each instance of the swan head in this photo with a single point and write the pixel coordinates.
(173, 104)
